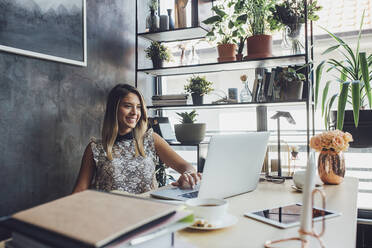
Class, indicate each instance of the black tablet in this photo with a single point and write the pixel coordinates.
(288, 216)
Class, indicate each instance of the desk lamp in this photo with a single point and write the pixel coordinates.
(290, 120)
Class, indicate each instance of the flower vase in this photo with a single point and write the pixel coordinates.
(331, 166)
(153, 22)
(293, 39)
(245, 93)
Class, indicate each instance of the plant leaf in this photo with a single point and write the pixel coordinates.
(324, 97)
(318, 75)
(212, 20)
(329, 104)
(355, 92)
(330, 49)
(341, 105)
(365, 75)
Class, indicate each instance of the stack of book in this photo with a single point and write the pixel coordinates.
(97, 219)
(169, 100)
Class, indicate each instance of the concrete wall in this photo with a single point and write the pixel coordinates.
(49, 110)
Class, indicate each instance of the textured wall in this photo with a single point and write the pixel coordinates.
(49, 110)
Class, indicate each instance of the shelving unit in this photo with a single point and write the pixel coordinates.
(226, 66)
(261, 107)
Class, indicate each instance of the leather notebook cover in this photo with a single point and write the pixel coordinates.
(94, 218)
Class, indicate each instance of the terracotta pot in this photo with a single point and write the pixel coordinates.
(226, 52)
(259, 46)
(331, 167)
(239, 57)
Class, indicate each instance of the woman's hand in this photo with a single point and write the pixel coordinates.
(188, 180)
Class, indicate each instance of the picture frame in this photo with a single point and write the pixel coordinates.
(51, 30)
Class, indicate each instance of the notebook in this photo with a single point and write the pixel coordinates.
(232, 167)
(89, 219)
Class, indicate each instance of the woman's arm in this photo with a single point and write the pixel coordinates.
(189, 177)
(86, 171)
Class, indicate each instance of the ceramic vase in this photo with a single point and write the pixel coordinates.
(331, 167)
(171, 20)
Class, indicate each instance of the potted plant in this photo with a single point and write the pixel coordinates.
(225, 30)
(291, 84)
(355, 80)
(290, 16)
(198, 87)
(158, 53)
(256, 13)
(189, 132)
(153, 20)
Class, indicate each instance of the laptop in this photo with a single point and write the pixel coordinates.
(232, 167)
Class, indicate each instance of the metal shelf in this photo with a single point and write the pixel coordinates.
(180, 34)
(232, 105)
(228, 66)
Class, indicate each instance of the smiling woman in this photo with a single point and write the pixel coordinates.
(124, 159)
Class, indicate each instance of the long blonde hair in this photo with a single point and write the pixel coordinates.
(110, 127)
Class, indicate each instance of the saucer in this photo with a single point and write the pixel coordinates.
(227, 220)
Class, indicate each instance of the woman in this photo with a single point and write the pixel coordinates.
(124, 158)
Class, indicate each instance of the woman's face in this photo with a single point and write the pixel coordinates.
(129, 113)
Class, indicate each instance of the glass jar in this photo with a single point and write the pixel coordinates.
(245, 93)
(293, 40)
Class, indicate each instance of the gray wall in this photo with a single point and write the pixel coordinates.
(49, 110)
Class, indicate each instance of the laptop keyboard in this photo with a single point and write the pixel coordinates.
(193, 194)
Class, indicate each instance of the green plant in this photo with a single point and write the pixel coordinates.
(256, 13)
(153, 5)
(355, 78)
(198, 85)
(292, 12)
(187, 117)
(158, 51)
(227, 27)
(289, 75)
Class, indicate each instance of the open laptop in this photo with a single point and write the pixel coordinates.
(232, 167)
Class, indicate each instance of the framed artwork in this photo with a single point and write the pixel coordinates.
(53, 30)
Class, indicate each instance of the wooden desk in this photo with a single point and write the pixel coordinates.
(340, 231)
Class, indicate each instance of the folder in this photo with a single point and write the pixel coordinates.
(91, 219)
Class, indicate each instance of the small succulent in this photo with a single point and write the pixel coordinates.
(187, 117)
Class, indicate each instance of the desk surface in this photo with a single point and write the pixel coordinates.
(340, 231)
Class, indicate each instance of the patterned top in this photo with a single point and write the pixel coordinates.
(125, 172)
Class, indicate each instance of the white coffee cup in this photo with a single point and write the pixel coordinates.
(209, 209)
(299, 178)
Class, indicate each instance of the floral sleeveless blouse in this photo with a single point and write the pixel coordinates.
(125, 172)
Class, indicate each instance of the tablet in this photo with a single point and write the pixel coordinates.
(288, 216)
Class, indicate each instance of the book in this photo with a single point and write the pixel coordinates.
(170, 97)
(271, 84)
(267, 83)
(169, 102)
(90, 219)
(255, 90)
